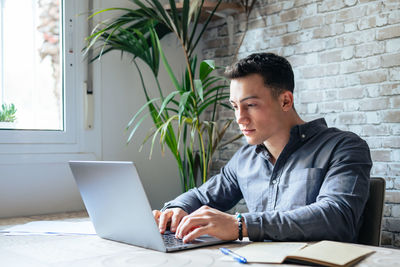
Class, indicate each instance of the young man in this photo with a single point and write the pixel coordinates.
(301, 181)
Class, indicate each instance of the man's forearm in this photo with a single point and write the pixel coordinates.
(322, 220)
(218, 192)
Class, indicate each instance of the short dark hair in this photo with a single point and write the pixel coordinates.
(275, 70)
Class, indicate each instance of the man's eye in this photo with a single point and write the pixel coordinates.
(251, 105)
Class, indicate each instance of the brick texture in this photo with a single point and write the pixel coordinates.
(346, 59)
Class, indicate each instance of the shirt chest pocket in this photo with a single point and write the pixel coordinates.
(299, 188)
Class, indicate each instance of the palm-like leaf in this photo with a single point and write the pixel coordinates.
(178, 118)
(133, 32)
(189, 114)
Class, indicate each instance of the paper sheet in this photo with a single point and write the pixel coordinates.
(52, 228)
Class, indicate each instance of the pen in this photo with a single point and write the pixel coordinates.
(237, 257)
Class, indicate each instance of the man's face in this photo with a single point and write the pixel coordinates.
(258, 114)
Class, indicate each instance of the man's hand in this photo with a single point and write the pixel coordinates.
(171, 217)
(209, 221)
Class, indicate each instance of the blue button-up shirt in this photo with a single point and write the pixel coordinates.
(316, 190)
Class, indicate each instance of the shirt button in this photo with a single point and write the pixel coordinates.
(274, 181)
(303, 136)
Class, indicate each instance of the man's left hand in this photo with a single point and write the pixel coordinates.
(208, 221)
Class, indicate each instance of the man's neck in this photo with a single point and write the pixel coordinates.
(277, 143)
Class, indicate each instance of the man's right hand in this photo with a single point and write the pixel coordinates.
(171, 217)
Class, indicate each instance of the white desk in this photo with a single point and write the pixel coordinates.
(92, 251)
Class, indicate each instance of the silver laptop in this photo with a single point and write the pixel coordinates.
(119, 209)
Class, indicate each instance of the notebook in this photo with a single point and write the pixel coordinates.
(119, 209)
(322, 253)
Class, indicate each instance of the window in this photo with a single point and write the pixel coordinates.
(42, 73)
(34, 156)
(40, 70)
(31, 65)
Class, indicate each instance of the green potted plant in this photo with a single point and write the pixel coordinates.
(180, 120)
(7, 116)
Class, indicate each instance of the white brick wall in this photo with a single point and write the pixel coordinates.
(346, 58)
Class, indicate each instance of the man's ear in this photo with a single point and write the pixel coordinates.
(286, 100)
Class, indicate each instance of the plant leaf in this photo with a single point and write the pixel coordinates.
(206, 67)
(140, 111)
(199, 88)
(167, 100)
(135, 128)
(185, 19)
(168, 67)
(182, 103)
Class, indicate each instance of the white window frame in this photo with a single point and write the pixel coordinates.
(75, 71)
(36, 178)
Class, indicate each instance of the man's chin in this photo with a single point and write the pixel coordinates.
(251, 141)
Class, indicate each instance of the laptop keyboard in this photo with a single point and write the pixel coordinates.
(171, 241)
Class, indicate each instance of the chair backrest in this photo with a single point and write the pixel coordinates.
(370, 231)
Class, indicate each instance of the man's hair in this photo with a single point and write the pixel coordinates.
(275, 70)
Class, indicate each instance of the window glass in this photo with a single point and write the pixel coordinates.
(31, 80)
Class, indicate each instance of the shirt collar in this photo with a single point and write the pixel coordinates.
(301, 131)
(263, 151)
(309, 129)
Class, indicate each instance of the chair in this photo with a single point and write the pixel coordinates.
(370, 231)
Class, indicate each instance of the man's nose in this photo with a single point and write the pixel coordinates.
(241, 117)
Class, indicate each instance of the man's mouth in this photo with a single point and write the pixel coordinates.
(248, 131)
